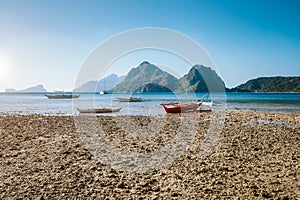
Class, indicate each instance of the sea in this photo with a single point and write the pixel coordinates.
(38, 103)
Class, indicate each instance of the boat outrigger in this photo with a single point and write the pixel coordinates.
(99, 110)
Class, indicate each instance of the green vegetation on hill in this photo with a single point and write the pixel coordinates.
(270, 84)
(152, 87)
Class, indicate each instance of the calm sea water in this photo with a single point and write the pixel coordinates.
(38, 103)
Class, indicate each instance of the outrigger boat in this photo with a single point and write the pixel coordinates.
(99, 110)
(175, 107)
(130, 99)
(62, 96)
(103, 92)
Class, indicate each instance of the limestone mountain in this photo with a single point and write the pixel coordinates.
(106, 83)
(200, 79)
(152, 87)
(270, 84)
(34, 89)
(143, 74)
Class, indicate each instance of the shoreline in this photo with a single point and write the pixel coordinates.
(44, 157)
(246, 110)
(96, 92)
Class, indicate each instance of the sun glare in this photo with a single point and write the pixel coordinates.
(5, 67)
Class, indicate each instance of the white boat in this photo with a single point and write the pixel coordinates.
(103, 92)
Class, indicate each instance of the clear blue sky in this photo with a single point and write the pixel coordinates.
(47, 41)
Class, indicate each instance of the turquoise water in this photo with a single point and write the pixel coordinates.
(38, 103)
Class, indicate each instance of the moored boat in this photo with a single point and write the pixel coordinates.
(103, 92)
(62, 96)
(130, 99)
(176, 107)
(99, 110)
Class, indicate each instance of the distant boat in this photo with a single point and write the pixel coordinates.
(103, 92)
(130, 99)
(62, 96)
(176, 107)
(99, 110)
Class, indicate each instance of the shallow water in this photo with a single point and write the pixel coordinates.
(38, 103)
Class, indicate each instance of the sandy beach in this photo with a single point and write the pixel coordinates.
(256, 156)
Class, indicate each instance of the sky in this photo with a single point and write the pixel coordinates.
(47, 41)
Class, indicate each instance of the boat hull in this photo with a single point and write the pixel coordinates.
(131, 99)
(61, 96)
(99, 110)
(180, 107)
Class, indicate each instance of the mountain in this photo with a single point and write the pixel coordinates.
(10, 90)
(270, 84)
(200, 79)
(106, 83)
(152, 87)
(38, 88)
(143, 74)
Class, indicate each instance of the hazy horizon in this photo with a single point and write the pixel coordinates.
(46, 42)
(164, 68)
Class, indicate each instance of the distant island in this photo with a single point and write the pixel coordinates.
(35, 89)
(105, 84)
(270, 84)
(148, 77)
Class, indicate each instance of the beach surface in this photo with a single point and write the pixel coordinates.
(255, 155)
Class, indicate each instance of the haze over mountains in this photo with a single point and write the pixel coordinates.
(106, 83)
(148, 77)
(37, 88)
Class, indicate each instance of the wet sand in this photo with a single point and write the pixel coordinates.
(257, 155)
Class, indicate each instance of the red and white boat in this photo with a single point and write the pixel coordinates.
(176, 107)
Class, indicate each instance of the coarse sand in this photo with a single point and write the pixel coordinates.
(256, 156)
